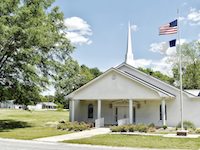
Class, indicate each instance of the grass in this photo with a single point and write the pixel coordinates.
(21, 124)
(140, 141)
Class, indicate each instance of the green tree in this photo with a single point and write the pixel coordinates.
(22, 94)
(69, 78)
(158, 74)
(72, 76)
(86, 74)
(190, 66)
(95, 71)
(33, 44)
(60, 100)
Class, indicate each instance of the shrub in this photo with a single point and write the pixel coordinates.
(151, 125)
(114, 128)
(141, 128)
(118, 128)
(129, 128)
(73, 126)
(62, 121)
(62, 126)
(123, 128)
(197, 131)
(164, 127)
(152, 129)
(132, 128)
(187, 125)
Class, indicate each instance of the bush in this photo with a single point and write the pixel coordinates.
(151, 125)
(164, 127)
(152, 129)
(62, 121)
(115, 129)
(62, 126)
(74, 126)
(132, 128)
(197, 131)
(141, 128)
(187, 125)
(122, 128)
(129, 128)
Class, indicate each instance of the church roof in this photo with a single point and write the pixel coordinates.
(191, 94)
(160, 91)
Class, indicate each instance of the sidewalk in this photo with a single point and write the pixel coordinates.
(76, 135)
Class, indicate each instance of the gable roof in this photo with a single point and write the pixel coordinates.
(158, 80)
(160, 91)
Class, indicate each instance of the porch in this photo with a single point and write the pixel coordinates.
(119, 112)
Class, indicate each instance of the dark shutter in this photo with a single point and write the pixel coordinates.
(161, 112)
(90, 111)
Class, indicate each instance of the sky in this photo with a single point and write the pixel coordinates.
(98, 30)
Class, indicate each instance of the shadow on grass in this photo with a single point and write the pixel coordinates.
(6, 125)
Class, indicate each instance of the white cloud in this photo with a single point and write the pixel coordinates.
(134, 27)
(194, 16)
(144, 63)
(164, 65)
(163, 47)
(181, 18)
(78, 30)
(159, 47)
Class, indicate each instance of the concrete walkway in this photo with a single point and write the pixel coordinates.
(76, 135)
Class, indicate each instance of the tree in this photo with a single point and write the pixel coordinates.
(190, 64)
(95, 71)
(69, 78)
(158, 74)
(86, 74)
(22, 94)
(33, 44)
(72, 76)
(60, 100)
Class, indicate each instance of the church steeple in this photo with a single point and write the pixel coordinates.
(129, 53)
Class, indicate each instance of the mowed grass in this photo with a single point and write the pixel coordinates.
(140, 141)
(21, 124)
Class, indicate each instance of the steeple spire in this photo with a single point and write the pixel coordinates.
(129, 53)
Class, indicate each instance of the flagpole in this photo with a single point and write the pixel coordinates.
(180, 71)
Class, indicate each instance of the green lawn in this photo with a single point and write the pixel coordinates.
(140, 141)
(21, 124)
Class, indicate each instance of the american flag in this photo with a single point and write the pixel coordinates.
(170, 28)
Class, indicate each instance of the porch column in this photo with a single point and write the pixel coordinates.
(130, 111)
(98, 109)
(72, 110)
(163, 112)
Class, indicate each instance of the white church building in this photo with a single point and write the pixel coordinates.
(125, 95)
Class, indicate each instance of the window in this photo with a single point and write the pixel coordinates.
(90, 111)
(161, 112)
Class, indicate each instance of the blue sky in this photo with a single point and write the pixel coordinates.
(98, 29)
(108, 19)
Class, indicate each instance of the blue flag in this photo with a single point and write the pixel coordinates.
(173, 23)
(172, 43)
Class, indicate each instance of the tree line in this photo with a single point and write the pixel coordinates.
(35, 53)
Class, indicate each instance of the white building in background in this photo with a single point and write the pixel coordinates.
(10, 104)
(43, 106)
(125, 95)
